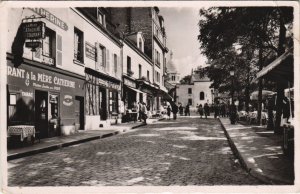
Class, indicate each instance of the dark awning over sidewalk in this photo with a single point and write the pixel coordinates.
(281, 69)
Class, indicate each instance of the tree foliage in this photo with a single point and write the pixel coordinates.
(186, 79)
(243, 39)
(231, 38)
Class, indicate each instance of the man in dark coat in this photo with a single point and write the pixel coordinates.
(175, 110)
(206, 110)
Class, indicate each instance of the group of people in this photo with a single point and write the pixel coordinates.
(174, 110)
(203, 110)
(220, 110)
(186, 110)
(141, 109)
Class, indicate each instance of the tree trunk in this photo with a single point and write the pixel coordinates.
(280, 85)
(260, 86)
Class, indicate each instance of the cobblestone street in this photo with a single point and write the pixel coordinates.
(182, 152)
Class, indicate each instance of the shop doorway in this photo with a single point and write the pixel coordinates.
(41, 113)
(79, 113)
(103, 106)
(54, 120)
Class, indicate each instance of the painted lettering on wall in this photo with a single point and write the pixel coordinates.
(90, 51)
(40, 80)
(27, 94)
(50, 17)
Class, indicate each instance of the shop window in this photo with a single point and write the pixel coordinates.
(140, 70)
(53, 100)
(190, 101)
(113, 101)
(78, 45)
(115, 63)
(189, 90)
(12, 99)
(202, 95)
(12, 107)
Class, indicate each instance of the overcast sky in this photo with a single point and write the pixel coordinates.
(182, 30)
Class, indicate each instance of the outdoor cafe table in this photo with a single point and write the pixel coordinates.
(22, 130)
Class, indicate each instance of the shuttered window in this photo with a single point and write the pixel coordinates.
(107, 60)
(59, 50)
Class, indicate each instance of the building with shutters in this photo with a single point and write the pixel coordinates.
(71, 69)
(150, 23)
(72, 78)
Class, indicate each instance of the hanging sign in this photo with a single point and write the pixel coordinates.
(33, 44)
(34, 30)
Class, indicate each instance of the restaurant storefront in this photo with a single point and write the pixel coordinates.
(103, 97)
(48, 98)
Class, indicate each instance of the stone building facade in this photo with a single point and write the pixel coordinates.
(77, 72)
(197, 92)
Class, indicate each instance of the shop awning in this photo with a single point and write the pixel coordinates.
(134, 89)
(166, 96)
(281, 69)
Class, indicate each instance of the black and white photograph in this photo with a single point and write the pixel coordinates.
(149, 95)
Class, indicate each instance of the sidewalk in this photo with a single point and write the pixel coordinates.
(259, 152)
(50, 144)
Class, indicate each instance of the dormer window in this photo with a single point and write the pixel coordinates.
(140, 41)
(140, 44)
(101, 18)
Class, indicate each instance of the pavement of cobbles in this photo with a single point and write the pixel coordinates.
(188, 151)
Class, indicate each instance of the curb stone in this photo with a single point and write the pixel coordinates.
(66, 144)
(253, 173)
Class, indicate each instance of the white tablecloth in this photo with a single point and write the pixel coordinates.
(22, 130)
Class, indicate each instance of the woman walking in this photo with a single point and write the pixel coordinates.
(169, 112)
(200, 110)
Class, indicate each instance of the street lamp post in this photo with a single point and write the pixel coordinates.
(232, 88)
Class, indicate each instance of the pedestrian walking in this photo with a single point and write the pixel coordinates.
(175, 110)
(169, 111)
(217, 110)
(223, 109)
(233, 113)
(200, 110)
(144, 112)
(180, 110)
(187, 110)
(206, 110)
(139, 111)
